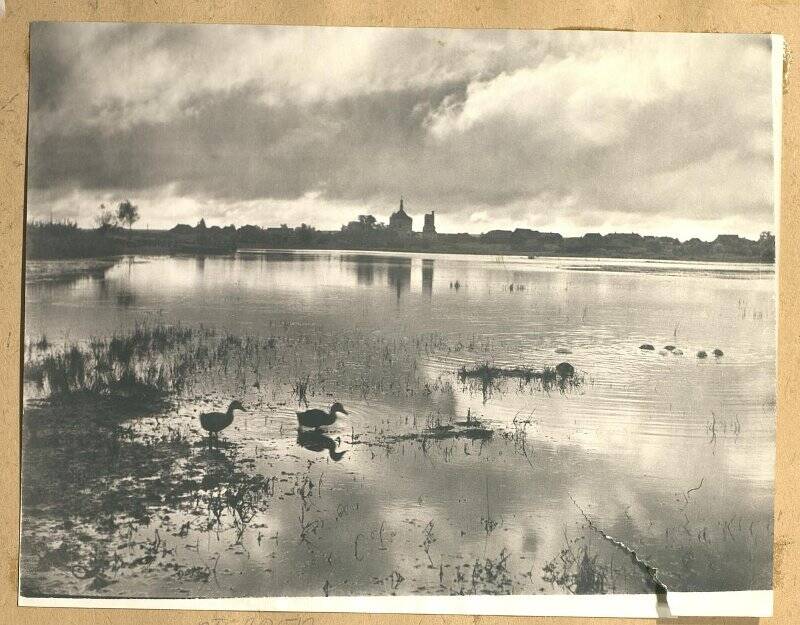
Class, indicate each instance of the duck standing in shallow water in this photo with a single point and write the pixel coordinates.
(316, 418)
(215, 422)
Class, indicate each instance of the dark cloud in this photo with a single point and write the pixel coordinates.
(230, 145)
(495, 126)
(51, 66)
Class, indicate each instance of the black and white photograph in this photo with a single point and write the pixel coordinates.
(400, 319)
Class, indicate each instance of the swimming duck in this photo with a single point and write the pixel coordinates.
(314, 440)
(215, 422)
(316, 418)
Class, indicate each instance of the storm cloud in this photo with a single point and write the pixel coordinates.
(568, 131)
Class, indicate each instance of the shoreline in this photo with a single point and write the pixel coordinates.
(159, 251)
(55, 241)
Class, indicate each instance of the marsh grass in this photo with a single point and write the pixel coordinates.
(164, 363)
(117, 528)
(487, 576)
(490, 377)
(436, 430)
(83, 486)
(578, 571)
(486, 371)
(300, 390)
(151, 360)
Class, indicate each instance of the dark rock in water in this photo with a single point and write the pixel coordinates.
(669, 348)
(702, 354)
(677, 352)
(718, 352)
(563, 350)
(647, 347)
(565, 370)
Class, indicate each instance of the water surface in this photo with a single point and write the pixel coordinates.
(671, 454)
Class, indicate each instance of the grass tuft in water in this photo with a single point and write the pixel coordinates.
(548, 378)
(577, 571)
(151, 360)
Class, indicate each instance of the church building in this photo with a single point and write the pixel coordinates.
(400, 221)
(430, 226)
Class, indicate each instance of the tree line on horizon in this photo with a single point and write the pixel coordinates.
(366, 234)
(65, 239)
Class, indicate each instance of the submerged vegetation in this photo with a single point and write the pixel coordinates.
(152, 360)
(130, 502)
(547, 375)
(157, 359)
(562, 377)
(578, 571)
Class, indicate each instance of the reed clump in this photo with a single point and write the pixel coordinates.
(489, 376)
(151, 360)
(490, 373)
(577, 571)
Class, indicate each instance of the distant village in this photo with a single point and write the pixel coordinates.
(53, 240)
(366, 233)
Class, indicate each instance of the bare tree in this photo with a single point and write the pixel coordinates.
(106, 219)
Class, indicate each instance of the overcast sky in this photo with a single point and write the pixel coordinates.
(559, 131)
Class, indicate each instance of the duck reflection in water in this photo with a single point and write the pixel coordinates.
(314, 440)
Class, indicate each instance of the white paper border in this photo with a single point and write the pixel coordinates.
(739, 603)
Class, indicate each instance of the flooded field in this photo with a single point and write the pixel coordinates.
(469, 460)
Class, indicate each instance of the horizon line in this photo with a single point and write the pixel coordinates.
(413, 232)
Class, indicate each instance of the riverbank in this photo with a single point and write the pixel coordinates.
(58, 241)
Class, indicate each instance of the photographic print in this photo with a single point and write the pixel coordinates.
(400, 319)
